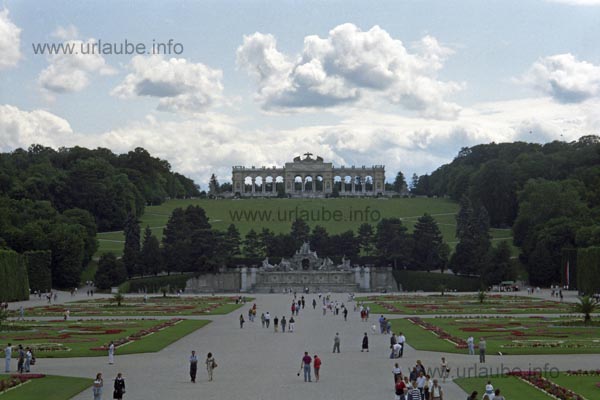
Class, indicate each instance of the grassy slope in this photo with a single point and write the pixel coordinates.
(52, 388)
(582, 385)
(220, 215)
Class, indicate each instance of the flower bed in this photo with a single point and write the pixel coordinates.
(140, 334)
(536, 379)
(459, 343)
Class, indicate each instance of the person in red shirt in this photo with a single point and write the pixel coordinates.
(317, 366)
(400, 388)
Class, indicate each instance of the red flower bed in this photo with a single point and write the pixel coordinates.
(459, 343)
(536, 379)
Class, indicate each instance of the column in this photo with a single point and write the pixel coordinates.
(353, 184)
(314, 184)
(253, 185)
(343, 184)
(367, 278)
(264, 185)
(364, 183)
(243, 279)
(303, 182)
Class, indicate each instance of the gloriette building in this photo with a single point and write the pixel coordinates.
(308, 177)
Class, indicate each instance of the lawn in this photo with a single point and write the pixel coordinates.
(51, 339)
(275, 215)
(511, 388)
(135, 306)
(506, 335)
(584, 385)
(463, 304)
(52, 387)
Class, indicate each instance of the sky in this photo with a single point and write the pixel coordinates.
(400, 83)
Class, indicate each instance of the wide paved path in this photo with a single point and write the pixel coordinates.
(258, 364)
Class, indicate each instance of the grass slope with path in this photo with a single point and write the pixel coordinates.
(49, 387)
(278, 215)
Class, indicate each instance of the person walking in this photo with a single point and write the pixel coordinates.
(336, 342)
(400, 389)
(317, 367)
(305, 364)
(263, 319)
(292, 323)
(28, 356)
(283, 324)
(397, 371)
(98, 386)
(211, 364)
(21, 359)
(473, 395)
(345, 314)
(436, 392)
(444, 369)
(111, 353)
(242, 321)
(7, 357)
(119, 388)
(413, 393)
(471, 345)
(482, 348)
(402, 342)
(314, 303)
(497, 395)
(365, 343)
(267, 319)
(193, 366)
(276, 324)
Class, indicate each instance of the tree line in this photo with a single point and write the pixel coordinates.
(57, 200)
(549, 194)
(190, 244)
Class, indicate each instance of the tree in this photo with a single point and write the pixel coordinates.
(233, 241)
(203, 243)
(111, 272)
(393, 242)
(300, 232)
(586, 306)
(176, 242)
(366, 238)
(399, 183)
(344, 244)
(131, 250)
(119, 298)
(499, 267)
(429, 251)
(494, 187)
(252, 244)
(472, 251)
(213, 185)
(319, 241)
(151, 261)
(66, 244)
(414, 183)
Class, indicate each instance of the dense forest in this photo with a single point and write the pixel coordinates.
(58, 199)
(549, 194)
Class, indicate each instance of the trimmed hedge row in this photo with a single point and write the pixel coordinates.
(588, 270)
(411, 281)
(38, 269)
(14, 285)
(155, 283)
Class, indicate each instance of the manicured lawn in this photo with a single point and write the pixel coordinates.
(49, 387)
(506, 335)
(89, 338)
(511, 387)
(135, 306)
(584, 385)
(463, 304)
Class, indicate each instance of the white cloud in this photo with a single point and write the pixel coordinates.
(10, 41)
(205, 143)
(565, 78)
(22, 128)
(181, 86)
(346, 66)
(68, 73)
(66, 32)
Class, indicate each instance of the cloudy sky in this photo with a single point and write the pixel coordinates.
(400, 83)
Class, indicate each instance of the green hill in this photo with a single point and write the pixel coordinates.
(336, 215)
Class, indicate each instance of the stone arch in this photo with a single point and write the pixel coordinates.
(298, 183)
(369, 186)
(269, 183)
(319, 183)
(248, 184)
(308, 183)
(347, 184)
(279, 184)
(258, 184)
(337, 183)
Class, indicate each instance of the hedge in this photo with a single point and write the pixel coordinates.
(155, 283)
(38, 269)
(411, 281)
(14, 285)
(588, 270)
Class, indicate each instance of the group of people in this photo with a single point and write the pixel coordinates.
(210, 362)
(25, 359)
(489, 394)
(418, 384)
(482, 347)
(118, 387)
